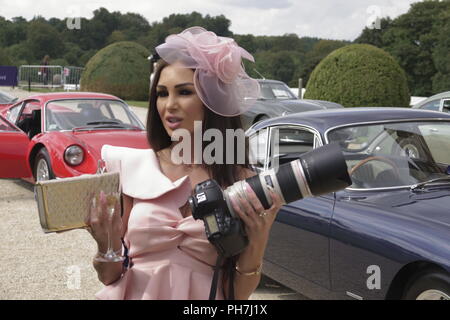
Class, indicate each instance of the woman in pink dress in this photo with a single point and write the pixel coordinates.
(199, 83)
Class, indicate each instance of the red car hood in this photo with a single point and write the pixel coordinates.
(92, 142)
(95, 140)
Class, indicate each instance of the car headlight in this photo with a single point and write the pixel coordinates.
(73, 155)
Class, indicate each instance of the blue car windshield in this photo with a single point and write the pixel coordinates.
(396, 154)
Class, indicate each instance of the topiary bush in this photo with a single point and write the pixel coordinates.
(120, 69)
(359, 75)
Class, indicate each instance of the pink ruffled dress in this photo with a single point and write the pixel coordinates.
(171, 256)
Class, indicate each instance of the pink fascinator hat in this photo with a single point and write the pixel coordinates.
(219, 79)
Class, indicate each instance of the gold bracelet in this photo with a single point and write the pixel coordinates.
(253, 273)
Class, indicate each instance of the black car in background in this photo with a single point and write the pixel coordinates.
(278, 100)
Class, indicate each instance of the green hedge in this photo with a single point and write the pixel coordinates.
(359, 75)
(120, 69)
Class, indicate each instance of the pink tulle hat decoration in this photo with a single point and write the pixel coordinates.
(220, 79)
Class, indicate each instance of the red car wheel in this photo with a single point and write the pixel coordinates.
(42, 168)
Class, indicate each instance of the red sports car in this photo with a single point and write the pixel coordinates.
(60, 135)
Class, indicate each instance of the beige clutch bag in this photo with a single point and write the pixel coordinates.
(63, 204)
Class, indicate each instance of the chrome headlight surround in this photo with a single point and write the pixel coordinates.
(74, 155)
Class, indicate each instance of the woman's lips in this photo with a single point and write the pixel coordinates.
(173, 122)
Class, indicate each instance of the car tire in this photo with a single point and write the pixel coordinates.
(411, 149)
(42, 166)
(433, 285)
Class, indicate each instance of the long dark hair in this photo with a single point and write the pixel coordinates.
(224, 174)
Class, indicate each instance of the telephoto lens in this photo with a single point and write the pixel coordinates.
(314, 173)
(317, 172)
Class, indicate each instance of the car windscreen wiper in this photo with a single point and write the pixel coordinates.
(422, 184)
(90, 127)
(102, 122)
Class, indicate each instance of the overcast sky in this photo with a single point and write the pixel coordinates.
(329, 19)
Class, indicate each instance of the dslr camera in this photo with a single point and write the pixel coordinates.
(314, 173)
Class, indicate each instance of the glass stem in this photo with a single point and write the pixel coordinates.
(110, 248)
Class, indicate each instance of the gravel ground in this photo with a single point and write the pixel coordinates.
(36, 265)
(51, 266)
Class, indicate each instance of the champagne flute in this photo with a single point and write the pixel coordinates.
(111, 256)
(112, 199)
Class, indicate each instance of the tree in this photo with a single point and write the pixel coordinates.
(374, 36)
(133, 25)
(43, 39)
(441, 57)
(13, 32)
(19, 54)
(319, 51)
(412, 39)
(246, 41)
(359, 75)
(4, 58)
(116, 36)
(73, 54)
(274, 65)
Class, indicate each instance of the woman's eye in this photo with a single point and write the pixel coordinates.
(185, 92)
(161, 93)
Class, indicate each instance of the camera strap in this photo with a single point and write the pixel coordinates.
(215, 279)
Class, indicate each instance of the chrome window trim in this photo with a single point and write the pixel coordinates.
(18, 105)
(104, 99)
(22, 107)
(378, 122)
(266, 146)
(441, 106)
(307, 128)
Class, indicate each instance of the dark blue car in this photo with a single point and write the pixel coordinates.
(387, 236)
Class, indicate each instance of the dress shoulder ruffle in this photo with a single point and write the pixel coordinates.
(140, 172)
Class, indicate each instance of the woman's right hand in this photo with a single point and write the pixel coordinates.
(99, 224)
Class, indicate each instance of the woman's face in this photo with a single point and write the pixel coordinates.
(177, 101)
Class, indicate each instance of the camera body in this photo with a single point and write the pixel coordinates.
(314, 173)
(223, 228)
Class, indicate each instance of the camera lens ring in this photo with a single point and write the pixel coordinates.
(276, 186)
(301, 179)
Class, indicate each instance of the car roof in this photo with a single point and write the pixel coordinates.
(270, 81)
(441, 95)
(44, 97)
(322, 120)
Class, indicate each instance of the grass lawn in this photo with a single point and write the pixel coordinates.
(142, 104)
(43, 90)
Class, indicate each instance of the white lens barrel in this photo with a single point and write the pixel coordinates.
(301, 178)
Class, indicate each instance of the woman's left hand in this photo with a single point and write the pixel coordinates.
(258, 220)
